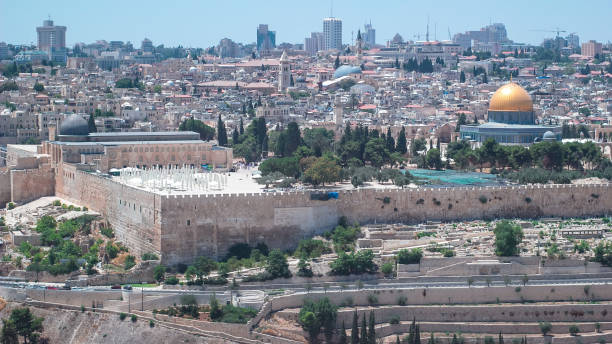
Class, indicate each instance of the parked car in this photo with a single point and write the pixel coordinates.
(49, 287)
(127, 287)
(116, 286)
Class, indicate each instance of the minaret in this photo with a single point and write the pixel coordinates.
(338, 112)
(284, 73)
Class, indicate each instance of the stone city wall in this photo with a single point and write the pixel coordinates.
(5, 188)
(181, 228)
(132, 213)
(209, 224)
(28, 185)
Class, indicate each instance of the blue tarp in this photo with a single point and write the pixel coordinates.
(332, 195)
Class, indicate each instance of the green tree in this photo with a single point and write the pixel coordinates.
(433, 159)
(318, 315)
(376, 152)
(38, 87)
(203, 266)
(363, 337)
(355, 329)
(462, 77)
(221, 132)
(9, 332)
(401, 146)
(277, 265)
(337, 62)
(292, 139)
(342, 337)
(372, 329)
(413, 256)
(206, 132)
(159, 273)
(508, 237)
(545, 327)
(26, 325)
(323, 170)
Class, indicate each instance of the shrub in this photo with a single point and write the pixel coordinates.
(111, 250)
(402, 300)
(483, 199)
(545, 327)
(372, 299)
(573, 330)
(394, 320)
(130, 262)
(598, 327)
(107, 232)
(353, 263)
(57, 203)
(134, 318)
(527, 199)
(311, 248)
(172, 280)
(82, 308)
(122, 316)
(11, 205)
(413, 256)
(151, 323)
(150, 256)
(387, 268)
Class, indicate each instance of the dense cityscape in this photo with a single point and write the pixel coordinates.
(382, 190)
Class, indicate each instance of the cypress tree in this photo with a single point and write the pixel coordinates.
(241, 126)
(501, 338)
(363, 337)
(372, 329)
(91, 124)
(401, 146)
(397, 340)
(355, 329)
(337, 62)
(221, 132)
(462, 77)
(390, 141)
(235, 138)
(417, 335)
(432, 339)
(342, 339)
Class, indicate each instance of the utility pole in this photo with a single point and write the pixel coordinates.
(142, 299)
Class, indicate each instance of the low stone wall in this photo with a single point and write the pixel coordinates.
(475, 295)
(67, 297)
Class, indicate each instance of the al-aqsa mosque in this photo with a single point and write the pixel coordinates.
(511, 120)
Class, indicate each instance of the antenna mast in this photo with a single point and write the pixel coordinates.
(427, 34)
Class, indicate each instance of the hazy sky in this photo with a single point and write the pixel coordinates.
(202, 23)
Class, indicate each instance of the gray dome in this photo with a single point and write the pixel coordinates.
(74, 125)
(549, 136)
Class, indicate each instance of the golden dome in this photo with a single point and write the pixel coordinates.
(511, 97)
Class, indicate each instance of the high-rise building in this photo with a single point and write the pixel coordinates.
(591, 48)
(369, 36)
(332, 34)
(314, 43)
(494, 33)
(4, 53)
(147, 45)
(266, 40)
(573, 41)
(51, 37)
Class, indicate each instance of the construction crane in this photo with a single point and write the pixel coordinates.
(557, 31)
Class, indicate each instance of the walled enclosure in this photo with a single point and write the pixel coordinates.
(181, 228)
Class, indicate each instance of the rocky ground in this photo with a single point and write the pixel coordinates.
(63, 326)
